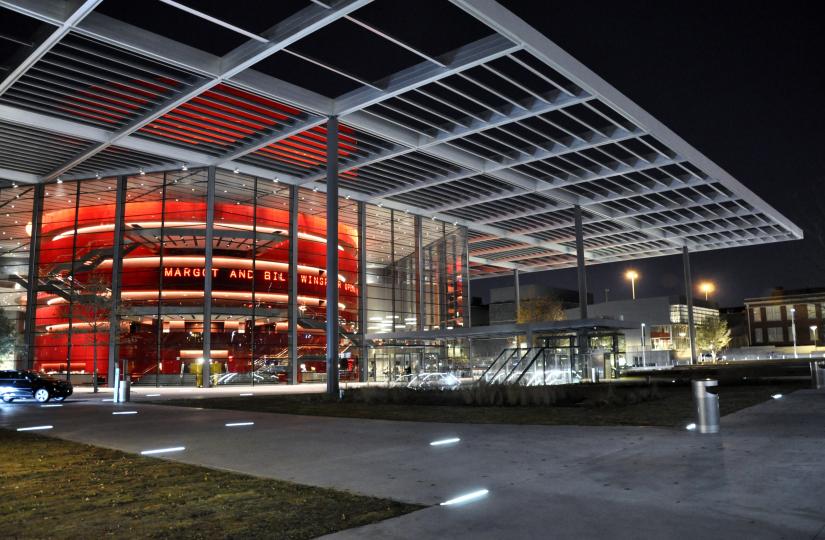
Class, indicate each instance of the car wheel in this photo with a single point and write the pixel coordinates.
(8, 399)
(42, 395)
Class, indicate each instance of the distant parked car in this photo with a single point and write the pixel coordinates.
(434, 381)
(26, 384)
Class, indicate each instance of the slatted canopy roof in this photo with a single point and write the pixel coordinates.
(474, 118)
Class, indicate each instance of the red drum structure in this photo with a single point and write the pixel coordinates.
(171, 274)
(172, 309)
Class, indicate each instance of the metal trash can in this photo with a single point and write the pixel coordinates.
(124, 391)
(122, 388)
(116, 386)
(707, 405)
(818, 375)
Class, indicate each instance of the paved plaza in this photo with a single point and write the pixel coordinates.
(763, 477)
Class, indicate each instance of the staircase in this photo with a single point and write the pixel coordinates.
(530, 367)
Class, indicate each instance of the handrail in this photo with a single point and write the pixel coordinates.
(505, 362)
(529, 364)
(509, 374)
(493, 363)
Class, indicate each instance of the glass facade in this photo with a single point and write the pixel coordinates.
(168, 271)
(15, 216)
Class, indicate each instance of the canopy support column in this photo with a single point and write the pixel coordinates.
(689, 298)
(117, 266)
(209, 235)
(332, 256)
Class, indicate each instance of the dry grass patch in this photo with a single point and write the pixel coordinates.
(59, 489)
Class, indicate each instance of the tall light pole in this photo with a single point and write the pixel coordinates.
(632, 275)
(815, 334)
(643, 346)
(707, 287)
(793, 331)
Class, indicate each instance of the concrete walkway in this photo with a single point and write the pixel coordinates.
(163, 393)
(763, 477)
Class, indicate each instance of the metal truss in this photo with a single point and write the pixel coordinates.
(504, 135)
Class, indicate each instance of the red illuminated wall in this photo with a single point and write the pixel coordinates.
(183, 280)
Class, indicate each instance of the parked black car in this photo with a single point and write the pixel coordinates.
(26, 384)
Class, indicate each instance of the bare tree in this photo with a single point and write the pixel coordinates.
(93, 304)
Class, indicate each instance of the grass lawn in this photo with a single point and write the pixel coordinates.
(60, 489)
(673, 408)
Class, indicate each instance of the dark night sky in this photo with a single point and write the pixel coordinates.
(744, 83)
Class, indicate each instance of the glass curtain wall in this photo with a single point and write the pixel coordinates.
(73, 307)
(379, 243)
(349, 367)
(15, 214)
(267, 327)
(142, 247)
(312, 282)
(416, 272)
(160, 316)
(434, 274)
(404, 272)
(455, 278)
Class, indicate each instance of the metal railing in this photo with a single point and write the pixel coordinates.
(530, 366)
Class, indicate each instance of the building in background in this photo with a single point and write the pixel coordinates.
(502, 307)
(664, 336)
(772, 319)
(479, 311)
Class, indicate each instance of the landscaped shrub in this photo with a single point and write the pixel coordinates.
(509, 395)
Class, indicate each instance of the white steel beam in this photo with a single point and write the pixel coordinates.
(516, 259)
(500, 264)
(551, 151)
(284, 133)
(18, 176)
(73, 15)
(167, 51)
(546, 186)
(297, 26)
(493, 120)
(498, 249)
(465, 58)
(468, 56)
(508, 24)
(191, 158)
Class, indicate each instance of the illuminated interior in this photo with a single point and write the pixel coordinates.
(160, 307)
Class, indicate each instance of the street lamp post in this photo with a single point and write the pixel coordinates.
(632, 275)
(643, 346)
(707, 287)
(793, 331)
